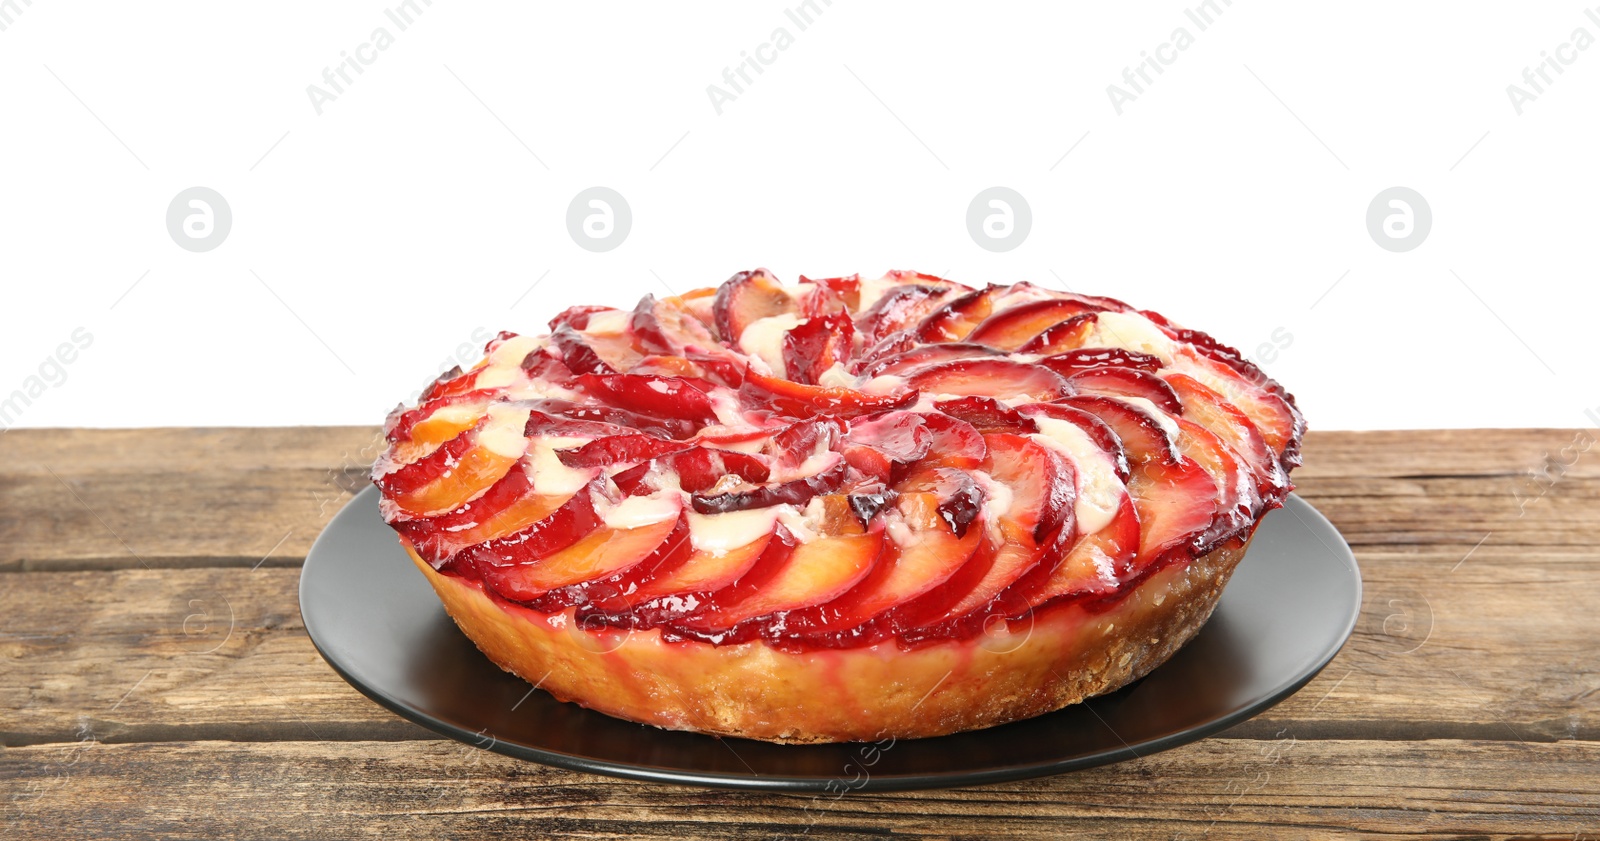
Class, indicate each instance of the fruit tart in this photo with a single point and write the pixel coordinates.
(844, 509)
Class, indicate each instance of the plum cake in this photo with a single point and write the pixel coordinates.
(842, 509)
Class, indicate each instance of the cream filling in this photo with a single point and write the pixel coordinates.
(763, 339)
(720, 534)
(1144, 405)
(751, 445)
(550, 476)
(502, 434)
(497, 376)
(901, 532)
(725, 405)
(527, 389)
(803, 523)
(884, 384)
(1131, 331)
(1099, 490)
(997, 501)
(837, 377)
(637, 511)
(457, 414)
(872, 290)
(607, 323)
(925, 401)
(1026, 295)
(508, 355)
(821, 459)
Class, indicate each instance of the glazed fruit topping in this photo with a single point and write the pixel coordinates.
(804, 401)
(746, 298)
(1013, 328)
(845, 462)
(817, 344)
(793, 492)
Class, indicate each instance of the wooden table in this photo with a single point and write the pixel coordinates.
(157, 680)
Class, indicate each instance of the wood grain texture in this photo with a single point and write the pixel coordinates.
(156, 680)
(1218, 789)
(113, 499)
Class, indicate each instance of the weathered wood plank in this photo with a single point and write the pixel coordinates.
(1501, 647)
(1451, 452)
(156, 655)
(110, 499)
(1220, 789)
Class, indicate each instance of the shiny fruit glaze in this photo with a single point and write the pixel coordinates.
(837, 463)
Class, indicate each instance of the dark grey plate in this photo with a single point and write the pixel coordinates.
(1292, 603)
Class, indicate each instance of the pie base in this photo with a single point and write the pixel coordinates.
(1059, 655)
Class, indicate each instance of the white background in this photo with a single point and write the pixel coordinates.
(423, 203)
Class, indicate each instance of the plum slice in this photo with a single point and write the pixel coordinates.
(793, 444)
(953, 321)
(817, 571)
(459, 469)
(793, 492)
(902, 573)
(878, 446)
(646, 329)
(655, 396)
(618, 449)
(1063, 336)
(508, 505)
(618, 590)
(576, 318)
(1042, 484)
(831, 295)
(746, 298)
(986, 414)
(1032, 530)
(990, 377)
(956, 498)
(1128, 382)
(602, 553)
(898, 309)
(686, 587)
(1236, 429)
(804, 401)
(1012, 328)
(563, 417)
(699, 468)
(923, 356)
(427, 423)
(576, 354)
(817, 344)
(1268, 408)
(955, 443)
(1089, 358)
(1143, 437)
(1097, 564)
(1176, 502)
(1098, 431)
(1237, 501)
(566, 525)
